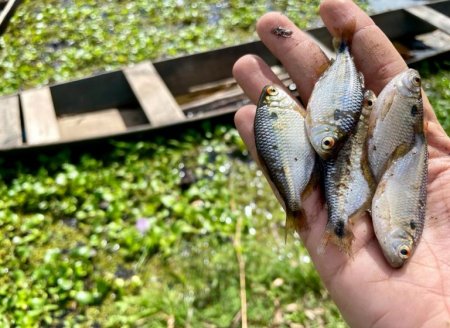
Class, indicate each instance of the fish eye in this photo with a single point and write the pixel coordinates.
(328, 143)
(404, 252)
(368, 103)
(271, 91)
(416, 81)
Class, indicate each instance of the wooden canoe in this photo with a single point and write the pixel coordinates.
(7, 8)
(147, 97)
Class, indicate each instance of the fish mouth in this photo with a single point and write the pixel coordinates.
(398, 250)
(394, 261)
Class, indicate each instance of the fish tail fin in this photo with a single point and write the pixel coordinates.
(339, 44)
(297, 221)
(340, 235)
(345, 36)
(421, 126)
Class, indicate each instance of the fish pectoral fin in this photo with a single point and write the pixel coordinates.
(313, 183)
(346, 33)
(322, 68)
(361, 79)
(297, 221)
(387, 106)
(272, 185)
(311, 186)
(400, 151)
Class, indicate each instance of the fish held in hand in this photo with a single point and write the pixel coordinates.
(335, 104)
(398, 206)
(284, 150)
(349, 185)
(395, 119)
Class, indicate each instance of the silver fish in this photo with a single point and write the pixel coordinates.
(335, 105)
(349, 184)
(396, 116)
(398, 206)
(284, 150)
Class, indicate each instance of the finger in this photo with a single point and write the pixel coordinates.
(243, 119)
(299, 54)
(429, 115)
(252, 74)
(437, 138)
(373, 53)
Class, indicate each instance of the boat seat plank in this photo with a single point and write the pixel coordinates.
(153, 95)
(94, 124)
(7, 12)
(431, 16)
(10, 127)
(436, 43)
(41, 125)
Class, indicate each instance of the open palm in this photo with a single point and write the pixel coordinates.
(366, 289)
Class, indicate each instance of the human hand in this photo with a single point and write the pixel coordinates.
(368, 292)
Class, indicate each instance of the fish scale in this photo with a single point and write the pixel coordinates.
(335, 104)
(348, 182)
(399, 203)
(284, 149)
(398, 114)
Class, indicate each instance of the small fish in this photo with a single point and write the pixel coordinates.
(349, 184)
(335, 104)
(397, 115)
(282, 32)
(398, 206)
(284, 150)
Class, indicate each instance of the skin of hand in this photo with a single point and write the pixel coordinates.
(368, 292)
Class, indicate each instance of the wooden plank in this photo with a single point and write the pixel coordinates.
(182, 72)
(41, 125)
(133, 117)
(10, 127)
(230, 96)
(435, 43)
(7, 13)
(155, 98)
(99, 123)
(107, 90)
(431, 16)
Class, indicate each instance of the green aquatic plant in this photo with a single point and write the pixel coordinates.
(51, 40)
(74, 249)
(436, 84)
